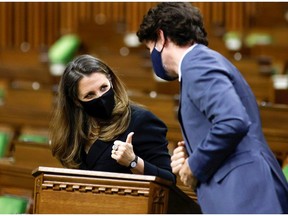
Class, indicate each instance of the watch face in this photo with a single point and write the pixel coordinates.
(133, 164)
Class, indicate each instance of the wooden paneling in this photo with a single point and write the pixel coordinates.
(42, 23)
(269, 14)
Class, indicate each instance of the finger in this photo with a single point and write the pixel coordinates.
(175, 165)
(117, 142)
(129, 137)
(179, 150)
(178, 162)
(175, 151)
(115, 146)
(178, 155)
(181, 143)
(176, 169)
(114, 152)
(114, 155)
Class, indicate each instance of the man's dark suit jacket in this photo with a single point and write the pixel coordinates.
(149, 142)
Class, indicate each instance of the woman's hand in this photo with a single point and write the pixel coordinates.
(123, 152)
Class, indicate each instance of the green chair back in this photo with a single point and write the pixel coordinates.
(13, 204)
(3, 143)
(64, 49)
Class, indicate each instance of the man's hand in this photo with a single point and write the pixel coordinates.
(180, 166)
(178, 157)
(186, 176)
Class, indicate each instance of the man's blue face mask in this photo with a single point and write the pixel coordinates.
(158, 66)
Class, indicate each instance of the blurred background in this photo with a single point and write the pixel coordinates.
(37, 39)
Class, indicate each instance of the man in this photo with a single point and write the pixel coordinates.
(225, 157)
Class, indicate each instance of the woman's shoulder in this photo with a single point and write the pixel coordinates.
(142, 114)
(137, 110)
(142, 120)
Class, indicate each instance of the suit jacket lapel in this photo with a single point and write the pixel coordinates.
(181, 122)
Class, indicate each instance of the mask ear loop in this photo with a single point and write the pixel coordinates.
(162, 47)
(164, 40)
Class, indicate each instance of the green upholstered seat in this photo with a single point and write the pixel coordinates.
(13, 204)
(3, 143)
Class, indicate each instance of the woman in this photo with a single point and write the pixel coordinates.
(96, 127)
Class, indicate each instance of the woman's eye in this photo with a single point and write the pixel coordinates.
(104, 88)
(88, 96)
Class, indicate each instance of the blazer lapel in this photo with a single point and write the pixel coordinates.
(95, 152)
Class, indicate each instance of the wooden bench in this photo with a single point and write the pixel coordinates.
(27, 66)
(275, 123)
(16, 170)
(27, 107)
(31, 148)
(260, 83)
(16, 181)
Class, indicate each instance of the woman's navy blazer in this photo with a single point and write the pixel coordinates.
(149, 142)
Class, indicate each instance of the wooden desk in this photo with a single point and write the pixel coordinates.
(71, 191)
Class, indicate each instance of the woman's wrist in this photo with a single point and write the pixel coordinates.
(139, 168)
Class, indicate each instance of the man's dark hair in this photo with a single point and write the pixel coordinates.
(181, 22)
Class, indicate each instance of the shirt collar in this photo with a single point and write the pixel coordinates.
(180, 63)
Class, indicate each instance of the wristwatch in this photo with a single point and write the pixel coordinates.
(133, 163)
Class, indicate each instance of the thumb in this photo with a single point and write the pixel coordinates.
(129, 137)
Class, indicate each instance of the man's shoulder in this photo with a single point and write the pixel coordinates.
(201, 49)
(202, 55)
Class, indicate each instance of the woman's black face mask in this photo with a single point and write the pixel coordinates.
(101, 107)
